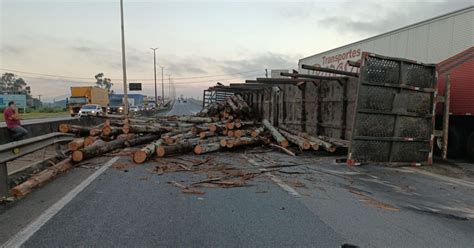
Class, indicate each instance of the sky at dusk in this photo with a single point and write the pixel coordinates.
(200, 42)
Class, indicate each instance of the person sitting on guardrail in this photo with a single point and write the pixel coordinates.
(12, 119)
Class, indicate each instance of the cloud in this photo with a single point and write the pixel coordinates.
(373, 18)
(261, 61)
(10, 50)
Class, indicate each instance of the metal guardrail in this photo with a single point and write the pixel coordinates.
(21, 148)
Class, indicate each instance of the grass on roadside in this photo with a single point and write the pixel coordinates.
(37, 115)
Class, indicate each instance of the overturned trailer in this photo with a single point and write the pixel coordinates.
(383, 115)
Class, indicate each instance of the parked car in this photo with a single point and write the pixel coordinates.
(91, 109)
(134, 108)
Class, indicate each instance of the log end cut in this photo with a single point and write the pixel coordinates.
(306, 146)
(77, 156)
(106, 130)
(223, 142)
(64, 128)
(254, 134)
(139, 157)
(198, 149)
(284, 143)
(238, 133)
(230, 125)
(125, 129)
(160, 151)
(212, 127)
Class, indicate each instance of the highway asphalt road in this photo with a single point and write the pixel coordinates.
(311, 201)
(184, 108)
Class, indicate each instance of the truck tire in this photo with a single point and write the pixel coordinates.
(456, 142)
(470, 147)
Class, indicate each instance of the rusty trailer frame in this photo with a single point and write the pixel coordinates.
(395, 112)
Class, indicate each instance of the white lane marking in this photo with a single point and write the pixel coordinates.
(275, 179)
(22, 236)
(431, 174)
(283, 185)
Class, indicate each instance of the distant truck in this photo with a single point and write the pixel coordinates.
(87, 95)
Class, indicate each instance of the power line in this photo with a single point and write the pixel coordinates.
(133, 79)
(178, 83)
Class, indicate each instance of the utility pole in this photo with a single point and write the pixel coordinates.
(39, 97)
(266, 73)
(124, 66)
(169, 86)
(162, 86)
(154, 66)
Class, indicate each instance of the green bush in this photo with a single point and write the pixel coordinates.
(50, 110)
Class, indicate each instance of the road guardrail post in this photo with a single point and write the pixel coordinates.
(4, 187)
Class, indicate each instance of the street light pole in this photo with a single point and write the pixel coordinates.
(162, 86)
(154, 65)
(169, 85)
(124, 66)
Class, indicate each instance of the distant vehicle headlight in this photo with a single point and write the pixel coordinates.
(93, 111)
(121, 108)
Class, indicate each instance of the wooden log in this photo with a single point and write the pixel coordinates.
(230, 133)
(255, 133)
(223, 141)
(193, 141)
(210, 139)
(302, 143)
(179, 148)
(78, 130)
(110, 131)
(324, 144)
(200, 128)
(275, 134)
(241, 104)
(241, 142)
(141, 140)
(242, 132)
(146, 152)
(238, 124)
(283, 149)
(216, 127)
(89, 140)
(336, 142)
(41, 178)
(173, 139)
(95, 131)
(230, 125)
(76, 144)
(176, 131)
(177, 124)
(206, 148)
(125, 136)
(206, 134)
(97, 149)
(146, 129)
(232, 105)
(225, 131)
(196, 119)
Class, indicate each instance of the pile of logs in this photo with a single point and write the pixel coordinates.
(221, 125)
